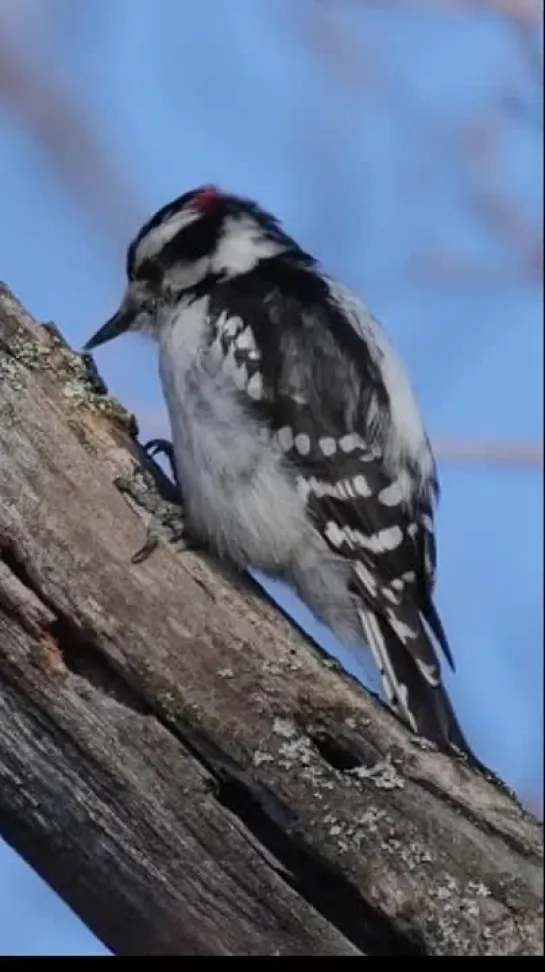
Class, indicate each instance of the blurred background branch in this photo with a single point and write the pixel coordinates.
(528, 454)
(522, 11)
(35, 93)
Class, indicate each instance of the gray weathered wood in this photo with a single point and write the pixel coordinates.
(177, 760)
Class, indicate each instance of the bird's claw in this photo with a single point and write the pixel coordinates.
(177, 533)
(158, 447)
(150, 544)
(169, 522)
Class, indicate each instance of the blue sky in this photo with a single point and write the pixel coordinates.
(361, 161)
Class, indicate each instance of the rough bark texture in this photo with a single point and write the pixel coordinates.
(177, 760)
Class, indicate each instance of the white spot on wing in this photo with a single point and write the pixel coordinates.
(334, 534)
(429, 672)
(299, 398)
(285, 438)
(383, 540)
(255, 387)
(361, 486)
(230, 325)
(327, 445)
(380, 542)
(245, 339)
(398, 583)
(343, 489)
(403, 631)
(302, 444)
(390, 595)
(349, 443)
(401, 490)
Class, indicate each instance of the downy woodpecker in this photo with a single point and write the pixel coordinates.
(298, 442)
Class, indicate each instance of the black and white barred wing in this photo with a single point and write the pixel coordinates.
(309, 389)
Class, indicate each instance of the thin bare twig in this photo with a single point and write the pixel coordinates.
(504, 453)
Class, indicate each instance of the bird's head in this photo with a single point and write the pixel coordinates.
(203, 235)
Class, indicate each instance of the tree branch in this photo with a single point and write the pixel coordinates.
(178, 762)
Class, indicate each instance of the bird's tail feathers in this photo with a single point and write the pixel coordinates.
(414, 691)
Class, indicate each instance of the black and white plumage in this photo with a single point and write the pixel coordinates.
(298, 443)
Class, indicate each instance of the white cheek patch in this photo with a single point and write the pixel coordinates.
(157, 238)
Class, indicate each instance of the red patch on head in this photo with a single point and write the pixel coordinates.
(206, 198)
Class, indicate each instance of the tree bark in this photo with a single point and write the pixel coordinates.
(177, 760)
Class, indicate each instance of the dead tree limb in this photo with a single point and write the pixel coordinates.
(177, 760)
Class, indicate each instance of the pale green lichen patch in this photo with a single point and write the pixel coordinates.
(298, 751)
(458, 915)
(285, 728)
(10, 371)
(356, 832)
(370, 818)
(28, 351)
(413, 854)
(479, 889)
(383, 775)
(81, 382)
(273, 668)
(83, 385)
(422, 743)
(260, 757)
(226, 673)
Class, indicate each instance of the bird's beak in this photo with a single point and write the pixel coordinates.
(118, 324)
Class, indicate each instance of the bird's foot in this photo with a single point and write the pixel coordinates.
(158, 447)
(166, 517)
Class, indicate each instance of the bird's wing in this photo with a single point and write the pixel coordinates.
(303, 367)
(314, 383)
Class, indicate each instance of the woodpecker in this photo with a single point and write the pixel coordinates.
(298, 443)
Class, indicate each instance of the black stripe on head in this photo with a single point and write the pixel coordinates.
(194, 241)
(191, 242)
